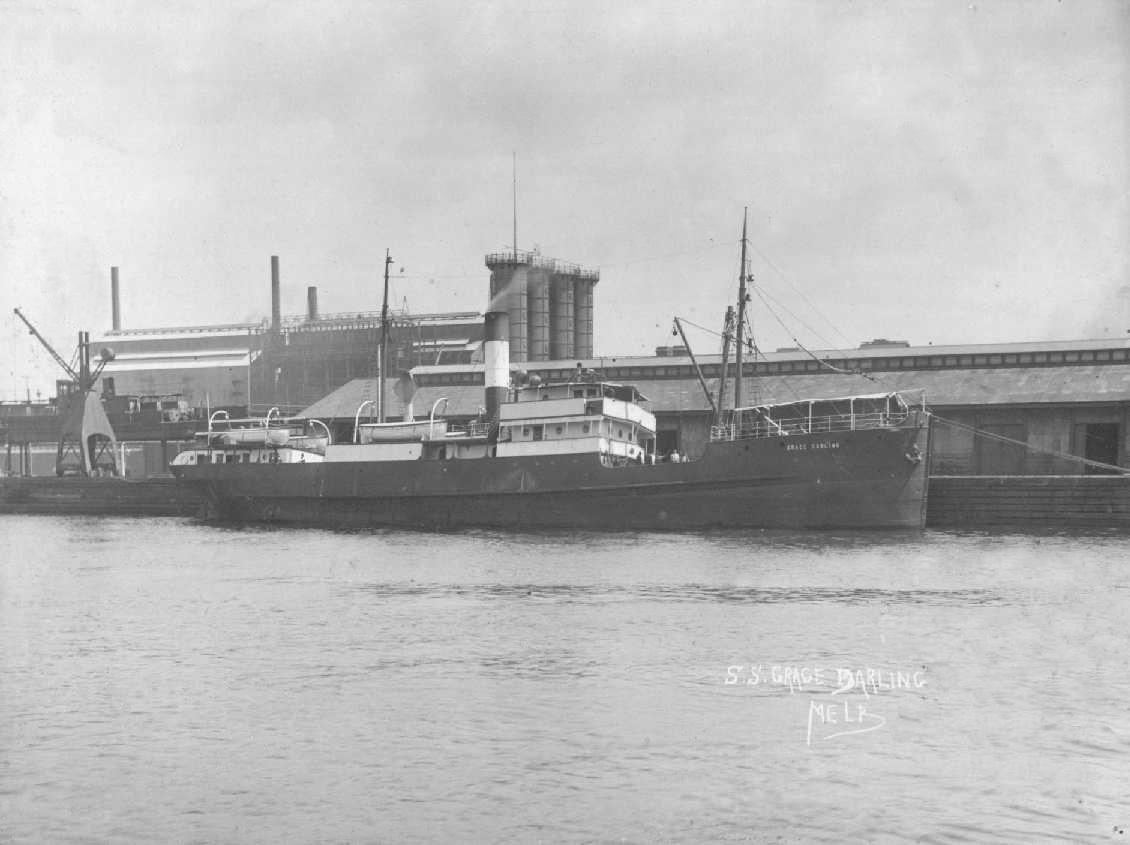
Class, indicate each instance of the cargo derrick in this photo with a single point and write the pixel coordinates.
(86, 440)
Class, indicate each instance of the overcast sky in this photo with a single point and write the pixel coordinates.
(942, 172)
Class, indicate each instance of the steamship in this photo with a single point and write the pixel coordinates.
(579, 454)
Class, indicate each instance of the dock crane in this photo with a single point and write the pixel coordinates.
(86, 440)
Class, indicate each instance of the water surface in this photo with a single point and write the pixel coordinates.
(162, 680)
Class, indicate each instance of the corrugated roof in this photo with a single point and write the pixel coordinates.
(163, 355)
(1011, 386)
(178, 361)
(180, 333)
(873, 352)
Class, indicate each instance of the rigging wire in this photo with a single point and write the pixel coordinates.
(764, 293)
(807, 351)
(1003, 439)
(801, 294)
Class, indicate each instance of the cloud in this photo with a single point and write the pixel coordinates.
(887, 153)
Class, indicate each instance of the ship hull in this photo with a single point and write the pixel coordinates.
(861, 479)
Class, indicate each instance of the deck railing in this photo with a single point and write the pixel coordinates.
(750, 426)
(475, 428)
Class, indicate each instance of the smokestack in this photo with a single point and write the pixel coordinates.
(311, 303)
(276, 305)
(496, 355)
(115, 301)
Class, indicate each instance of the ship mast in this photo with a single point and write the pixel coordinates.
(382, 361)
(727, 334)
(740, 339)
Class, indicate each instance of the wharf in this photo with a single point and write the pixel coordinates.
(98, 496)
(1025, 502)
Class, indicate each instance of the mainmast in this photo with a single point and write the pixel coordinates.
(515, 187)
(740, 338)
(727, 334)
(382, 361)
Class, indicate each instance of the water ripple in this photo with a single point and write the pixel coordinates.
(595, 593)
(177, 682)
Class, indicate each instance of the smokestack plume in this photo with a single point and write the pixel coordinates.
(311, 303)
(115, 301)
(276, 305)
(496, 355)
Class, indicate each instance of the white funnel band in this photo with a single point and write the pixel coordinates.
(497, 359)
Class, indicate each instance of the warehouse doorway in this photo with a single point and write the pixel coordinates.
(666, 442)
(1097, 442)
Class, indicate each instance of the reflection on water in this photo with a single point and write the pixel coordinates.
(589, 593)
(164, 680)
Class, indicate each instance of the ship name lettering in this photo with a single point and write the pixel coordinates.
(819, 444)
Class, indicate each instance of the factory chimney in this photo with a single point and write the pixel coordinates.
(276, 305)
(115, 301)
(311, 304)
(496, 358)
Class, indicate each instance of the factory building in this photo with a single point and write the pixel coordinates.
(286, 361)
(291, 361)
(550, 304)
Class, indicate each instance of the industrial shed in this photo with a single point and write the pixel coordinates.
(1061, 399)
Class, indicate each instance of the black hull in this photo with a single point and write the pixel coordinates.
(862, 479)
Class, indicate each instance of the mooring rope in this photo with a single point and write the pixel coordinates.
(1003, 439)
